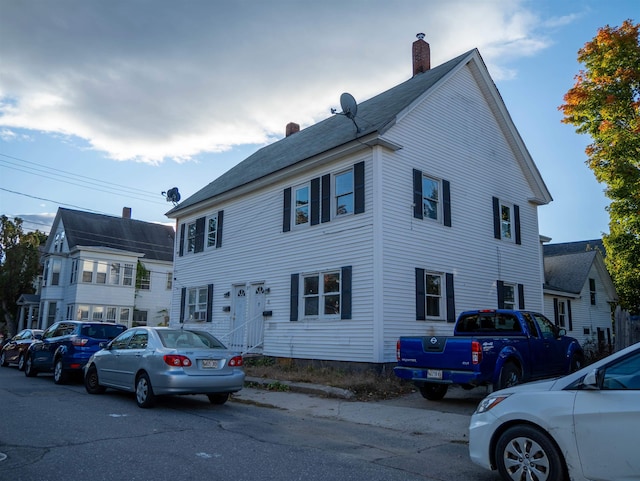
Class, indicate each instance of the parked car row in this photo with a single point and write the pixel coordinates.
(149, 361)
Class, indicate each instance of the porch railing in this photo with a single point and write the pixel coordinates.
(248, 337)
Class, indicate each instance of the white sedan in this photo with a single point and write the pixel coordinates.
(584, 426)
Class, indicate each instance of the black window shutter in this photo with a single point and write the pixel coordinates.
(209, 303)
(293, 315)
(569, 314)
(345, 308)
(183, 298)
(496, 218)
(500, 289)
(516, 221)
(421, 313)
(521, 296)
(451, 300)
(555, 311)
(446, 203)
(286, 211)
(181, 248)
(315, 201)
(358, 187)
(219, 229)
(199, 242)
(326, 198)
(417, 194)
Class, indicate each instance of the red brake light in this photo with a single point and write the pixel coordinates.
(79, 341)
(236, 361)
(476, 352)
(176, 360)
(398, 350)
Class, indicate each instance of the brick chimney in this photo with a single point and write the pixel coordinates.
(126, 212)
(421, 55)
(292, 128)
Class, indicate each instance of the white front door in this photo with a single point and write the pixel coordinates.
(255, 327)
(238, 318)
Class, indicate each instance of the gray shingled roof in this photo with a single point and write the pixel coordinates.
(574, 247)
(374, 115)
(568, 272)
(98, 230)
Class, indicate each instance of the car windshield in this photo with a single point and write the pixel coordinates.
(175, 338)
(101, 331)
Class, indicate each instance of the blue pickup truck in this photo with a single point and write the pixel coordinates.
(496, 348)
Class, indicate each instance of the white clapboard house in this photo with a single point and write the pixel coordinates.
(333, 241)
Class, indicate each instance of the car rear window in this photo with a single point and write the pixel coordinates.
(190, 339)
(102, 331)
(489, 322)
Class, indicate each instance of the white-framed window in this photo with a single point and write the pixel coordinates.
(196, 303)
(74, 274)
(144, 280)
(433, 295)
(127, 275)
(111, 314)
(321, 295)
(506, 221)
(344, 193)
(430, 198)
(101, 272)
(301, 210)
(82, 312)
(114, 273)
(70, 310)
(139, 317)
(191, 237)
(97, 314)
(51, 313)
(125, 312)
(562, 313)
(212, 230)
(592, 291)
(509, 293)
(87, 271)
(56, 266)
(169, 284)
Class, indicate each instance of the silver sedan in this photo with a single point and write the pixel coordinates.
(155, 361)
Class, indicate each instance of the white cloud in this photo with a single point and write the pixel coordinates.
(153, 80)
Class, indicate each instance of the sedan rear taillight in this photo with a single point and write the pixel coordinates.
(236, 361)
(176, 360)
(79, 341)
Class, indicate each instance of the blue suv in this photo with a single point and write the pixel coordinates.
(66, 346)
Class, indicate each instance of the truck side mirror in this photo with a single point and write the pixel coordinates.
(562, 332)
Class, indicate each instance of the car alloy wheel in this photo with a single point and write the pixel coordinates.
(144, 392)
(526, 453)
(3, 359)
(29, 370)
(21, 362)
(59, 375)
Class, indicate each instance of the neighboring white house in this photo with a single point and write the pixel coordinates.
(90, 271)
(579, 294)
(334, 241)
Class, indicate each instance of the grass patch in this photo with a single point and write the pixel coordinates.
(366, 385)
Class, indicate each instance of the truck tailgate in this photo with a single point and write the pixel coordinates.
(437, 352)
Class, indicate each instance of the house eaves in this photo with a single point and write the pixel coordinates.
(374, 117)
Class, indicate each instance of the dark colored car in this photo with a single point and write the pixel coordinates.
(14, 349)
(66, 346)
(157, 361)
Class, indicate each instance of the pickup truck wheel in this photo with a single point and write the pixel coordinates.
(510, 375)
(524, 452)
(433, 391)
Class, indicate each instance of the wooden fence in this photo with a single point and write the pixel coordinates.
(627, 329)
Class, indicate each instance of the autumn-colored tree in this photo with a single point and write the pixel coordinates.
(605, 104)
(19, 267)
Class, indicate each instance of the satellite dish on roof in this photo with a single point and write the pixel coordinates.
(172, 195)
(349, 105)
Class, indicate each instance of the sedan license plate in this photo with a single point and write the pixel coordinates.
(210, 364)
(434, 373)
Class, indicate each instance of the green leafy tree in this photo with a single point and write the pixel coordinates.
(605, 104)
(19, 267)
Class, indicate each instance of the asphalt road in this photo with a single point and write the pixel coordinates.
(54, 433)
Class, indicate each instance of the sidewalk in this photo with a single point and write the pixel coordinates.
(312, 400)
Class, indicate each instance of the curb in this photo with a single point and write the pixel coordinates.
(301, 387)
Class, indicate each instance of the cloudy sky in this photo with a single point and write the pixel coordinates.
(106, 104)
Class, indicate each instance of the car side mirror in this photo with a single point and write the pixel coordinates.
(562, 332)
(38, 336)
(591, 380)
